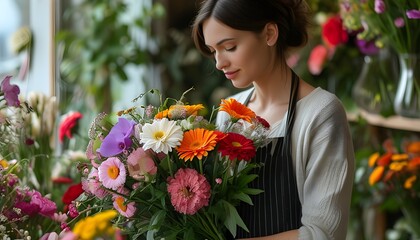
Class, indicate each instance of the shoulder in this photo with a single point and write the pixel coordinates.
(320, 105)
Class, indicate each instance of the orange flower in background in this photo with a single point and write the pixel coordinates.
(408, 184)
(396, 170)
(376, 175)
(414, 147)
(414, 164)
(197, 143)
(237, 110)
(373, 158)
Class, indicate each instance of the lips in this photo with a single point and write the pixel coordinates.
(231, 75)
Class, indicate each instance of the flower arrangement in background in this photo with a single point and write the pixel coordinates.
(35, 170)
(333, 35)
(169, 172)
(387, 22)
(24, 211)
(395, 173)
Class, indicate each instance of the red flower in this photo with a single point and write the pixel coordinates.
(68, 124)
(333, 31)
(72, 193)
(237, 146)
(62, 180)
(263, 122)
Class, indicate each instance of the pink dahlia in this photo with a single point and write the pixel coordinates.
(189, 191)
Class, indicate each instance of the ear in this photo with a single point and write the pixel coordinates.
(271, 33)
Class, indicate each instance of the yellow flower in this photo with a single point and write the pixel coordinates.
(376, 175)
(409, 182)
(397, 166)
(373, 158)
(399, 157)
(3, 164)
(93, 226)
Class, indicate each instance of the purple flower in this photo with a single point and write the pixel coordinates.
(367, 47)
(413, 14)
(118, 138)
(11, 92)
(380, 6)
(399, 22)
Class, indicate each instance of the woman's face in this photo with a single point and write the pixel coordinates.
(243, 56)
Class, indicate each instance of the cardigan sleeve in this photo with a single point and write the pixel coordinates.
(325, 170)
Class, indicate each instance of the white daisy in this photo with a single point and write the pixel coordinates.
(161, 136)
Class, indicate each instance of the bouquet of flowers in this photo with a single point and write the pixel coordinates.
(394, 172)
(169, 172)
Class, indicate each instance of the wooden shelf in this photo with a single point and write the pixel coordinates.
(395, 122)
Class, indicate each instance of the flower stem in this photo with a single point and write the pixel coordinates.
(169, 166)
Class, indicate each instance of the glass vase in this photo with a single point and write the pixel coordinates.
(375, 87)
(407, 99)
(411, 212)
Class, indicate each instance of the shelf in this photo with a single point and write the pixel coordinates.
(395, 122)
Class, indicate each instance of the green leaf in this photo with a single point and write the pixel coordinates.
(252, 191)
(189, 234)
(232, 219)
(157, 219)
(243, 180)
(243, 197)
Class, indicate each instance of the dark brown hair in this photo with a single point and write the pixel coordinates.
(291, 17)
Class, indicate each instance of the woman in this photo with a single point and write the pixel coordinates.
(308, 166)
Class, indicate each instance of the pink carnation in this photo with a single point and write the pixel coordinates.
(189, 191)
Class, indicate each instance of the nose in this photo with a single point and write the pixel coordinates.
(221, 61)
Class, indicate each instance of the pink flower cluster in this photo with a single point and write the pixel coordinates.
(27, 202)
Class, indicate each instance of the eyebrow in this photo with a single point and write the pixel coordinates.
(222, 41)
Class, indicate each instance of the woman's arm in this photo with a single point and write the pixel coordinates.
(289, 235)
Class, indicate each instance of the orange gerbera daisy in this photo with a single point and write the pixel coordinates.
(193, 109)
(237, 110)
(197, 143)
(162, 114)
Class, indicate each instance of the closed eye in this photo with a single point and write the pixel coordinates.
(230, 49)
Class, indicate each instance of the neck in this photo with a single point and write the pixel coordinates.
(275, 89)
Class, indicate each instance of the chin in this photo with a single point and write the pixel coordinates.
(238, 84)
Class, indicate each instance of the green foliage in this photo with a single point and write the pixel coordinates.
(99, 46)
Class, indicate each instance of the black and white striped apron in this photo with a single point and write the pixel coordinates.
(278, 208)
